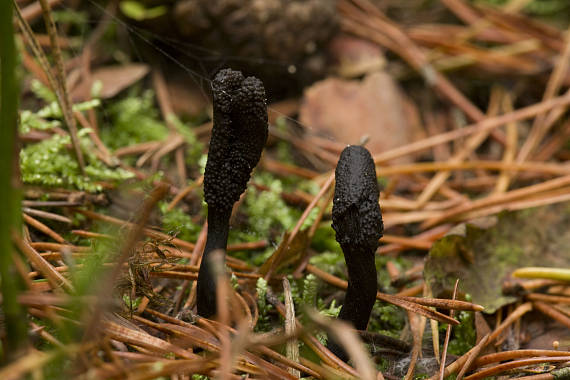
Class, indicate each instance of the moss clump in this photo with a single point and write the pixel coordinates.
(267, 210)
(51, 163)
(134, 120)
(194, 148)
(387, 319)
(464, 335)
(330, 262)
(179, 223)
(324, 239)
(264, 322)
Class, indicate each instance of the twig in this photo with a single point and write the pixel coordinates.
(54, 277)
(311, 205)
(447, 336)
(510, 147)
(472, 143)
(65, 101)
(515, 315)
(147, 231)
(515, 364)
(516, 354)
(487, 124)
(46, 215)
(43, 228)
(540, 126)
(290, 327)
(548, 310)
(500, 198)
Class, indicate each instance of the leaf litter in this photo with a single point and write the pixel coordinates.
(140, 319)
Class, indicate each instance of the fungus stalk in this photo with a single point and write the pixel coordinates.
(238, 137)
(357, 221)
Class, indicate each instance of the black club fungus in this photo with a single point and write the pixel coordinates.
(238, 137)
(357, 221)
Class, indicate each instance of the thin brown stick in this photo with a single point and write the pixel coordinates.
(472, 143)
(292, 346)
(445, 303)
(447, 336)
(543, 199)
(65, 100)
(472, 356)
(548, 310)
(540, 126)
(34, 10)
(547, 168)
(147, 231)
(548, 298)
(55, 279)
(405, 47)
(515, 315)
(104, 153)
(137, 148)
(417, 325)
(489, 123)
(184, 192)
(500, 198)
(510, 147)
(311, 205)
(516, 354)
(46, 215)
(43, 228)
(515, 364)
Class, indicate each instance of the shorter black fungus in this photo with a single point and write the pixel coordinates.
(357, 221)
(238, 137)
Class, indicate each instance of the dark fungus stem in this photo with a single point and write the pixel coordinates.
(218, 229)
(238, 137)
(357, 221)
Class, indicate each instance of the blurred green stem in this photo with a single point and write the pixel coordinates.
(15, 320)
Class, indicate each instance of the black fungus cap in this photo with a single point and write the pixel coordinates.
(238, 136)
(356, 214)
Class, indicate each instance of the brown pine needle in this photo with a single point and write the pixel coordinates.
(447, 336)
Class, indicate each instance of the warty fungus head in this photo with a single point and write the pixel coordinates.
(357, 221)
(238, 137)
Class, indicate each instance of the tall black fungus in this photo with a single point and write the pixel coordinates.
(238, 137)
(357, 221)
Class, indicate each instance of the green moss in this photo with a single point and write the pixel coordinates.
(177, 222)
(324, 239)
(266, 210)
(387, 319)
(134, 120)
(51, 163)
(268, 215)
(464, 334)
(31, 120)
(331, 262)
(194, 148)
(310, 288)
(49, 116)
(42, 92)
(263, 324)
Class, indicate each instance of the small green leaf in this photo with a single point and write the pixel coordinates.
(137, 11)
